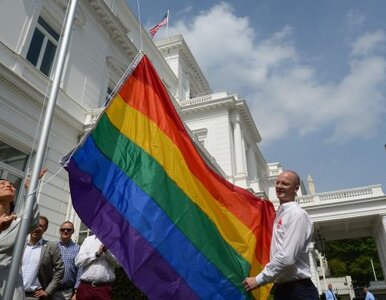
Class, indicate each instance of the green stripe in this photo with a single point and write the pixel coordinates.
(188, 217)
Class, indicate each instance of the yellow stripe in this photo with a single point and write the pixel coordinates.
(136, 127)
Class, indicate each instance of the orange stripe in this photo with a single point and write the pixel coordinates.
(240, 202)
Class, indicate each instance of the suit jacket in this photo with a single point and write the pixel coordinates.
(51, 267)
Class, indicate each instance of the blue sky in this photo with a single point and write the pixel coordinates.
(313, 74)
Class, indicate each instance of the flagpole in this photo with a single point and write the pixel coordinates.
(167, 25)
(31, 193)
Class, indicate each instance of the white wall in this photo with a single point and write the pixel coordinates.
(218, 135)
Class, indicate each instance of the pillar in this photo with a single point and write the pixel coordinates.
(380, 240)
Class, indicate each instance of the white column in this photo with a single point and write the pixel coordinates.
(321, 262)
(251, 164)
(314, 271)
(380, 240)
(239, 147)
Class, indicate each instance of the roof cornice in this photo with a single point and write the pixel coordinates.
(178, 44)
(225, 101)
(117, 31)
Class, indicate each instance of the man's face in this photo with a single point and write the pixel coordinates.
(37, 233)
(286, 185)
(330, 287)
(66, 231)
(7, 190)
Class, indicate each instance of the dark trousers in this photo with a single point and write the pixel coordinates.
(302, 289)
(90, 292)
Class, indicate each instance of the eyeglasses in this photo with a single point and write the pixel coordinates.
(65, 229)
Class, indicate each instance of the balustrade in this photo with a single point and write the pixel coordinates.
(343, 195)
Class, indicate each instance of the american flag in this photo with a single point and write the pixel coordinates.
(163, 22)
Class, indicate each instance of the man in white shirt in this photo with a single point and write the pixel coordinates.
(98, 270)
(330, 294)
(42, 265)
(289, 266)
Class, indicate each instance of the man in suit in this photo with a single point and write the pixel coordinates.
(42, 265)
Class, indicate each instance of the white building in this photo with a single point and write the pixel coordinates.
(105, 38)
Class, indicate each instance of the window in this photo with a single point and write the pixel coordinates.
(201, 135)
(12, 165)
(109, 94)
(84, 232)
(41, 52)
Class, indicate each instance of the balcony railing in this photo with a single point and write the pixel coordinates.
(341, 196)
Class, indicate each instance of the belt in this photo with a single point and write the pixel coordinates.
(95, 283)
(29, 294)
(64, 289)
(295, 283)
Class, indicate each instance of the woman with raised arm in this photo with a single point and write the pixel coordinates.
(9, 227)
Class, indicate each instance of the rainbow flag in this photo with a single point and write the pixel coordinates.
(178, 229)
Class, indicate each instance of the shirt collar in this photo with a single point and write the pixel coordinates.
(39, 243)
(287, 205)
(66, 245)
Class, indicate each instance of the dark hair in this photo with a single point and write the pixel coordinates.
(12, 206)
(5, 179)
(44, 218)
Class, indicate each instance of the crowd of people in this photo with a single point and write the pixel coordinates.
(58, 270)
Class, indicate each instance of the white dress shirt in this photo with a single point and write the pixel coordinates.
(98, 269)
(292, 233)
(330, 295)
(30, 266)
(369, 296)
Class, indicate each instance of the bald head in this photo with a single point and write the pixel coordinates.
(286, 185)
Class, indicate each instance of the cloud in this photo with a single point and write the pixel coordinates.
(355, 18)
(369, 42)
(284, 94)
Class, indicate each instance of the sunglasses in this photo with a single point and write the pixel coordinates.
(65, 229)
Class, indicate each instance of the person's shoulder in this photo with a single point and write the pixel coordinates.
(88, 238)
(294, 208)
(75, 245)
(51, 244)
(298, 213)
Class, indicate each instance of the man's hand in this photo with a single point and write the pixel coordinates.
(40, 293)
(73, 297)
(250, 284)
(6, 220)
(102, 249)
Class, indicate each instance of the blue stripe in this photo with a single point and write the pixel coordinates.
(143, 264)
(154, 225)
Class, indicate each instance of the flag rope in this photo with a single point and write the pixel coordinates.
(64, 161)
(38, 124)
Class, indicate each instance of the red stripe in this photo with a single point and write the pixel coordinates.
(255, 213)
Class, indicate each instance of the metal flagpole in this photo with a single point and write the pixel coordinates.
(31, 196)
(372, 265)
(167, 24)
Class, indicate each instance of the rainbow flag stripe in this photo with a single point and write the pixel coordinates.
(178, 229)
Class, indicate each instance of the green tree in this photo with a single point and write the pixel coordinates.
(353, 257)
(338, 268)
(124, 289)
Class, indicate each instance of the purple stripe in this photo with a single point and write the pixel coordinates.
(109, 226)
